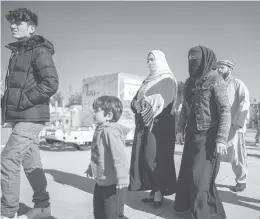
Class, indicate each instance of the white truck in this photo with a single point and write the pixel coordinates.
(122, 85)
(77, 136)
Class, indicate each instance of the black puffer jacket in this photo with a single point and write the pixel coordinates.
(30, 82)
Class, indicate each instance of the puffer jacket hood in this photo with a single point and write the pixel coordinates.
(32, 42)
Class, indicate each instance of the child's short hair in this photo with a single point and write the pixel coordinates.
(22, 14)
(109, 104)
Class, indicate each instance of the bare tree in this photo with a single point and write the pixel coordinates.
(179, 93)
(75, 99)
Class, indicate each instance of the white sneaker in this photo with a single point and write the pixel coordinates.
(14, 217)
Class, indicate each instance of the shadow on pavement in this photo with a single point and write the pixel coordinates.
(224, 186)
(234, 198)
(24, 208)
(133, 199)
(83, 183)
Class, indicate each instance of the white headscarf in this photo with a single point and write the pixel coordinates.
(159, 70)
(159, 66)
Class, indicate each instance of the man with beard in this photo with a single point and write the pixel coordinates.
(239, 99)
(205, 119)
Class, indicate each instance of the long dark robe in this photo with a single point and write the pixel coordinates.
(152, 161)
(197, 190)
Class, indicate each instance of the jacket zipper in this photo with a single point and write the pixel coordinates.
(8, 81)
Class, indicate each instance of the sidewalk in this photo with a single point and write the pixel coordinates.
(71, 192)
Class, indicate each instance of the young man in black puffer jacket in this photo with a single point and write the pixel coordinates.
(30, 82)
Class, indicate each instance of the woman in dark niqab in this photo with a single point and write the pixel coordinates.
(205, 118)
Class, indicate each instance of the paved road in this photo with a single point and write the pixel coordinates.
(71, 192)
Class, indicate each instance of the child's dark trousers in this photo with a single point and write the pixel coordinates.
(108, 202)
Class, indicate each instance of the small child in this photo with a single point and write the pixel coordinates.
(109, 164)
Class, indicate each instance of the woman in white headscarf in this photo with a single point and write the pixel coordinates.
(152, 160)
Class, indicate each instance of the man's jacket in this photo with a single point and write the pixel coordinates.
(239, 100)
(30, 81)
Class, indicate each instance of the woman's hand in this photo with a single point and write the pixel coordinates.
(145, 109)
(221, 148)
(137, 105)
(147, 113)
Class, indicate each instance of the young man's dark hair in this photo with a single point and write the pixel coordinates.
(31, 80)
(109, 104)
(22, 14)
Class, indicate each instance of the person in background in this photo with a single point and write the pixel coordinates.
(257, 136)
(205, 119)
(152, 161)
(179, 138)
(109, 164)
(239, 100)
(257, 126)
(30, 82)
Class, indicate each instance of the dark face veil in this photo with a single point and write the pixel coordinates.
(201, 61)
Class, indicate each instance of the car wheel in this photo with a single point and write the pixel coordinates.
(57, 143)
(49, 141)
(84, 147)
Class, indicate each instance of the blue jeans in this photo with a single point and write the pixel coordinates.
(22, 148)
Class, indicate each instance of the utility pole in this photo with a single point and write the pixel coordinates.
(70, 91)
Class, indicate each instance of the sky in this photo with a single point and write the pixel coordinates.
(97, 38)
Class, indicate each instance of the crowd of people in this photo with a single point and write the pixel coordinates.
(211, 124)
